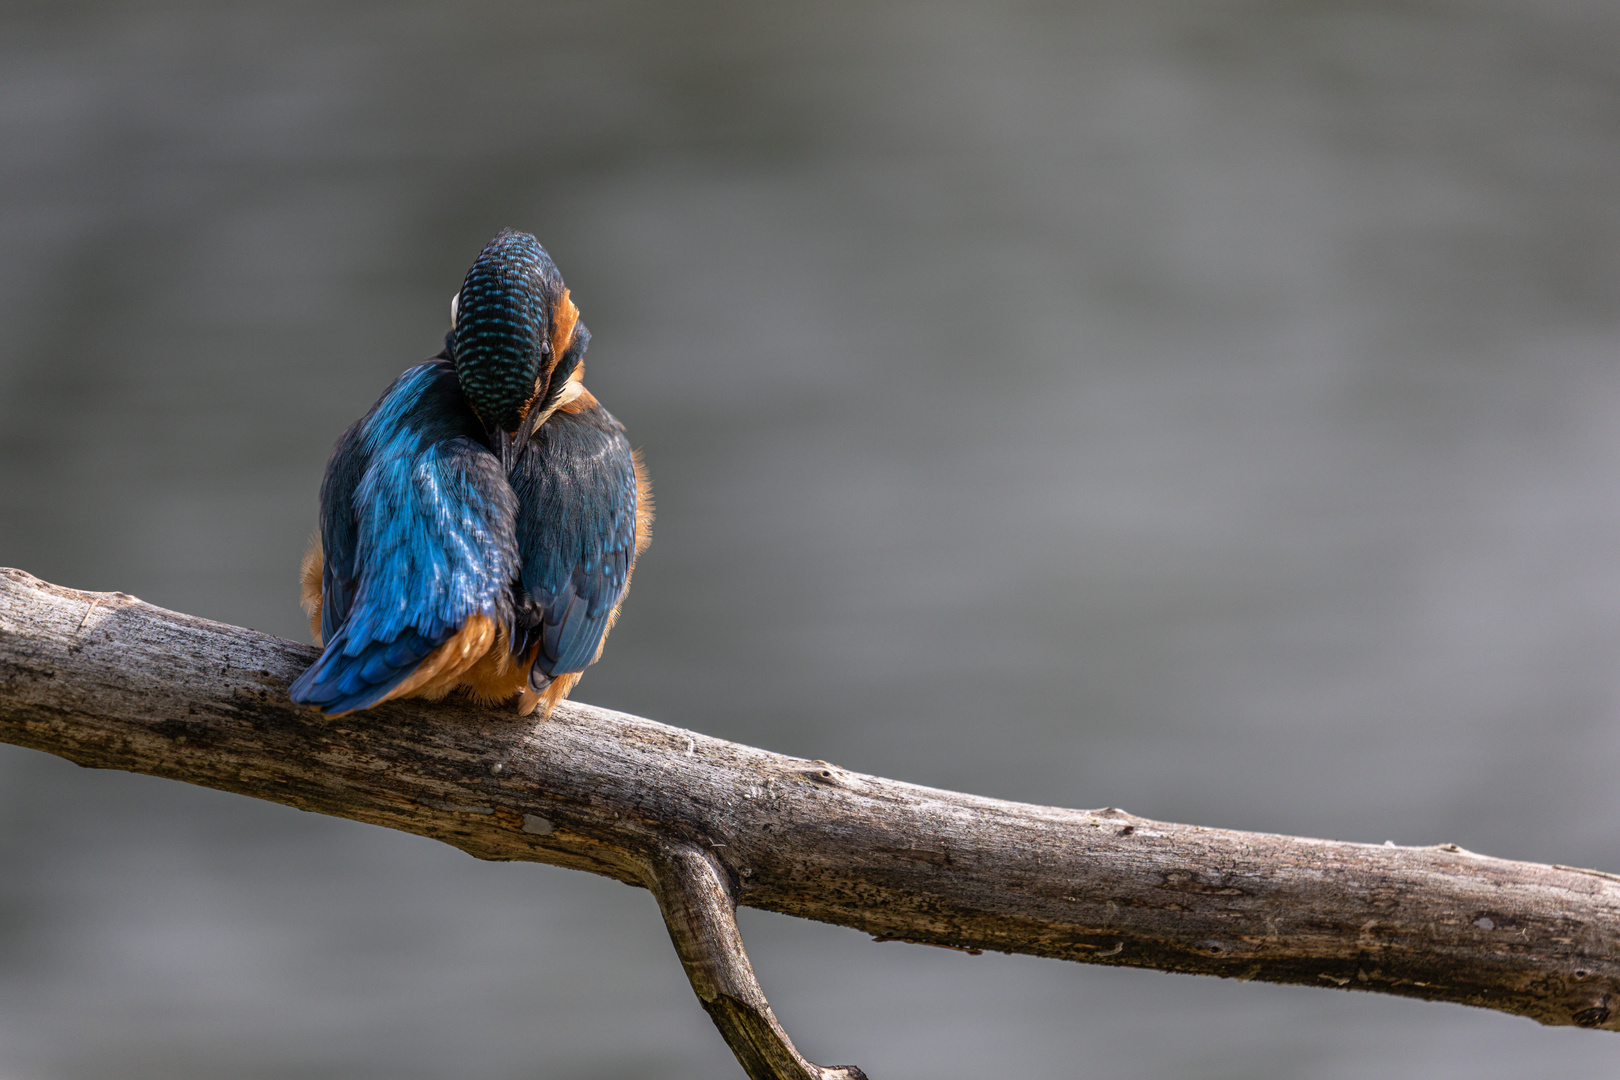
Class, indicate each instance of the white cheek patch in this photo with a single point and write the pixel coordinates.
(571, 390)
(455, 306)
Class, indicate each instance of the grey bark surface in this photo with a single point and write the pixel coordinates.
(108, 681)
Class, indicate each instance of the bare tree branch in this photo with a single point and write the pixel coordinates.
(110, 682)
(695, 896)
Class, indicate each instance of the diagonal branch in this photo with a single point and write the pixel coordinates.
(110, 682)
(695, 897)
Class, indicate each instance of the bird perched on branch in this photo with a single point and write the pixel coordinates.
(480, 524)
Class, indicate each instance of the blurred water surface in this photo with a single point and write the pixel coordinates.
(1207, 409)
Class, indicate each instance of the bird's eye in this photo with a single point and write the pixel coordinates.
(455, 305)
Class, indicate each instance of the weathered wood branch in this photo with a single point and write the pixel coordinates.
(694, 893)
(110, 682)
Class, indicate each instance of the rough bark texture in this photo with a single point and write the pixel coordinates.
(695, 897)
(110, 682)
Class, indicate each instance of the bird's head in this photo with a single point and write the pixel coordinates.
(509, 325)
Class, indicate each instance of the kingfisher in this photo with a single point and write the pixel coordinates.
(479, 525)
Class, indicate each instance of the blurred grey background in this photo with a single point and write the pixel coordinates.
(1209, 409)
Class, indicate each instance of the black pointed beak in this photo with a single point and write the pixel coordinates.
(506, 448)
(509, 445)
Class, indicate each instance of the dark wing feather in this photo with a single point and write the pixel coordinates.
(417, 524)
(576, 525)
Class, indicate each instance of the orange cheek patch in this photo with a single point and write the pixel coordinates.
(562, 326)
(563, 321)
(585, 400)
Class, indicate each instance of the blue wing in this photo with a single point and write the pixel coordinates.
(417, 525)
(577, 499)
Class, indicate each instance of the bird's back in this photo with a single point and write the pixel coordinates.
(418, 548)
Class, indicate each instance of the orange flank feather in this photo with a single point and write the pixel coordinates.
(559, 688)
(477, 660)
(498, 674)
(441, 670)
(644, 508)
(309, 589)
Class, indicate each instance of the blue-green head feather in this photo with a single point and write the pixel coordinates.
(503, 325)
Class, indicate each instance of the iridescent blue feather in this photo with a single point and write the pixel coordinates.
(502, 338)
(418, 529)
(576, 489)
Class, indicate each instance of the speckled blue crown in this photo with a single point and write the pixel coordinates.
(501, 341)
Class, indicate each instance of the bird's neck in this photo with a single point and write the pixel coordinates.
(572, 398)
